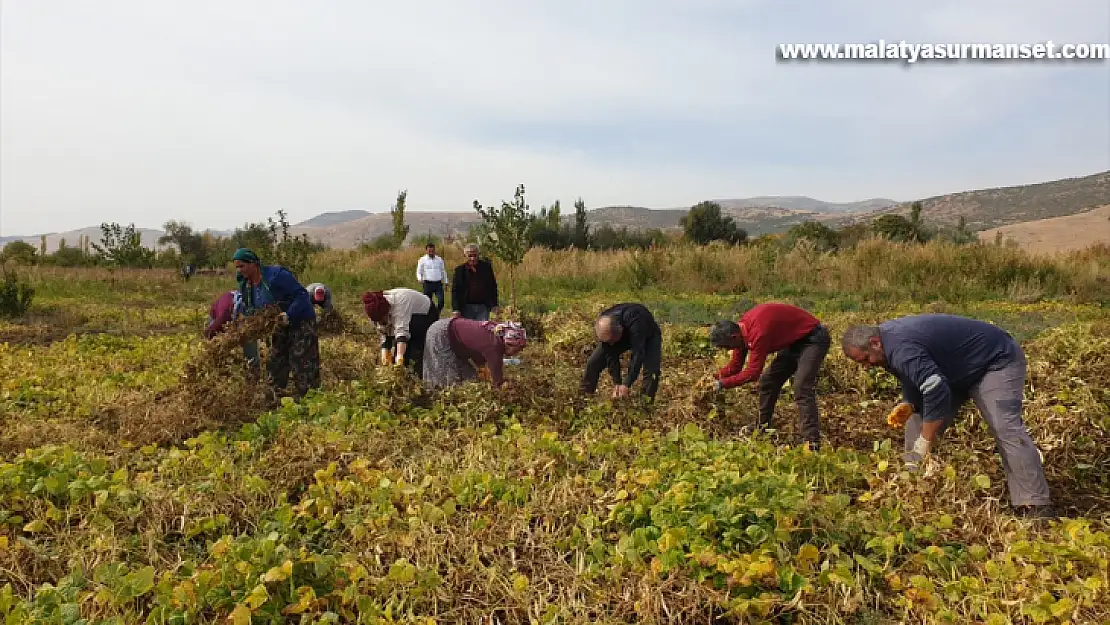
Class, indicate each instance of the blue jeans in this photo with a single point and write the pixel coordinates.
(477, 312)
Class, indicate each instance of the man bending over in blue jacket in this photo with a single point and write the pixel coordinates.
(941, 361)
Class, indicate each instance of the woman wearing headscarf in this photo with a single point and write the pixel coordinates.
(294, 345)
(456, 347)
(402, 316)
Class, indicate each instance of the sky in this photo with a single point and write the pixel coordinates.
(220, 113)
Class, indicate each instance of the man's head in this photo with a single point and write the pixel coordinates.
(863, 344)
(471, 253)
(319, 295)
(608, 329)
(430, 249)
(726, 334)
(247, 264)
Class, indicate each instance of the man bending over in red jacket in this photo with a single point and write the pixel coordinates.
(801, 343)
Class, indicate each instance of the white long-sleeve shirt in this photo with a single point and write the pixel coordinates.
(403, 304)
(431, 269)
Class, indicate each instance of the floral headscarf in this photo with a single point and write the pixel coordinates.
(511, 332)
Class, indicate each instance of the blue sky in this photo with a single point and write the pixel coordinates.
(220, 113)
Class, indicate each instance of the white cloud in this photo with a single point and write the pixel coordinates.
(223, 112)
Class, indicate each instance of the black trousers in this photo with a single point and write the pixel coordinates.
(436, 289)
(418, 330)
(802, 360)
(606, 356)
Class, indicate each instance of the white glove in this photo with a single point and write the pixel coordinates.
(920, 451)
(921, 446)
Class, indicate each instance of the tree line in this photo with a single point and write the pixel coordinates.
(514, 223)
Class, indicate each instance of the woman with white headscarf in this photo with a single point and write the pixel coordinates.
(454, 348)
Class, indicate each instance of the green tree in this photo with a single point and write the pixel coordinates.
(505, 233)
(19, 252)
(705, 223)
(823, 237)
(123, 246)
(190, 245)
(893, 227)
(400, 228)
(581, 238)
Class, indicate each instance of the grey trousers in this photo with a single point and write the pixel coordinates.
(998, 396)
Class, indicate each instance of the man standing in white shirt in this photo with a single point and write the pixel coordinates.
(431, 272)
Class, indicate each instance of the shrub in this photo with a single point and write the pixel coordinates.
(15, 296)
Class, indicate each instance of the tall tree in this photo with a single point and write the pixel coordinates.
(581, 227)
(400, 228)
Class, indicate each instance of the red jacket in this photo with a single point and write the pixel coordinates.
(767, 328)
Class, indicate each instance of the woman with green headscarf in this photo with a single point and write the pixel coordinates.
(294, 346)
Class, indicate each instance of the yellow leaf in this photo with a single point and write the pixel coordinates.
(807, 555)
(257, 597)
(241, 615)
(520, 582)
(279, 573)
(34, 526)
(3, 542)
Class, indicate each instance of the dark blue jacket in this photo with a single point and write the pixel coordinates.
(281, 288)
(638, 327)
(934, 355)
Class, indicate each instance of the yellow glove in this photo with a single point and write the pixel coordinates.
(901, 413)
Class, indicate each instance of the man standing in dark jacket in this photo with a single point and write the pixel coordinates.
(474, 287)
(626, 327)
(801, 343)
(941, 361)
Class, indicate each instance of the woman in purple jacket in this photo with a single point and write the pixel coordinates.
(454, 348)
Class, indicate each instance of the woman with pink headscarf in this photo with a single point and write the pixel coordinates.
(454, 348)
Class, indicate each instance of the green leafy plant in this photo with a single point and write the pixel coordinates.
(16, 295)
(505, 234)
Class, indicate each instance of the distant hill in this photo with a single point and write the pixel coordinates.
(1057, 234)
(349, 234)
(756, 215)
(73, 237)
(334, 218)
(991, 208)
(808, 204)
(755, 219)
